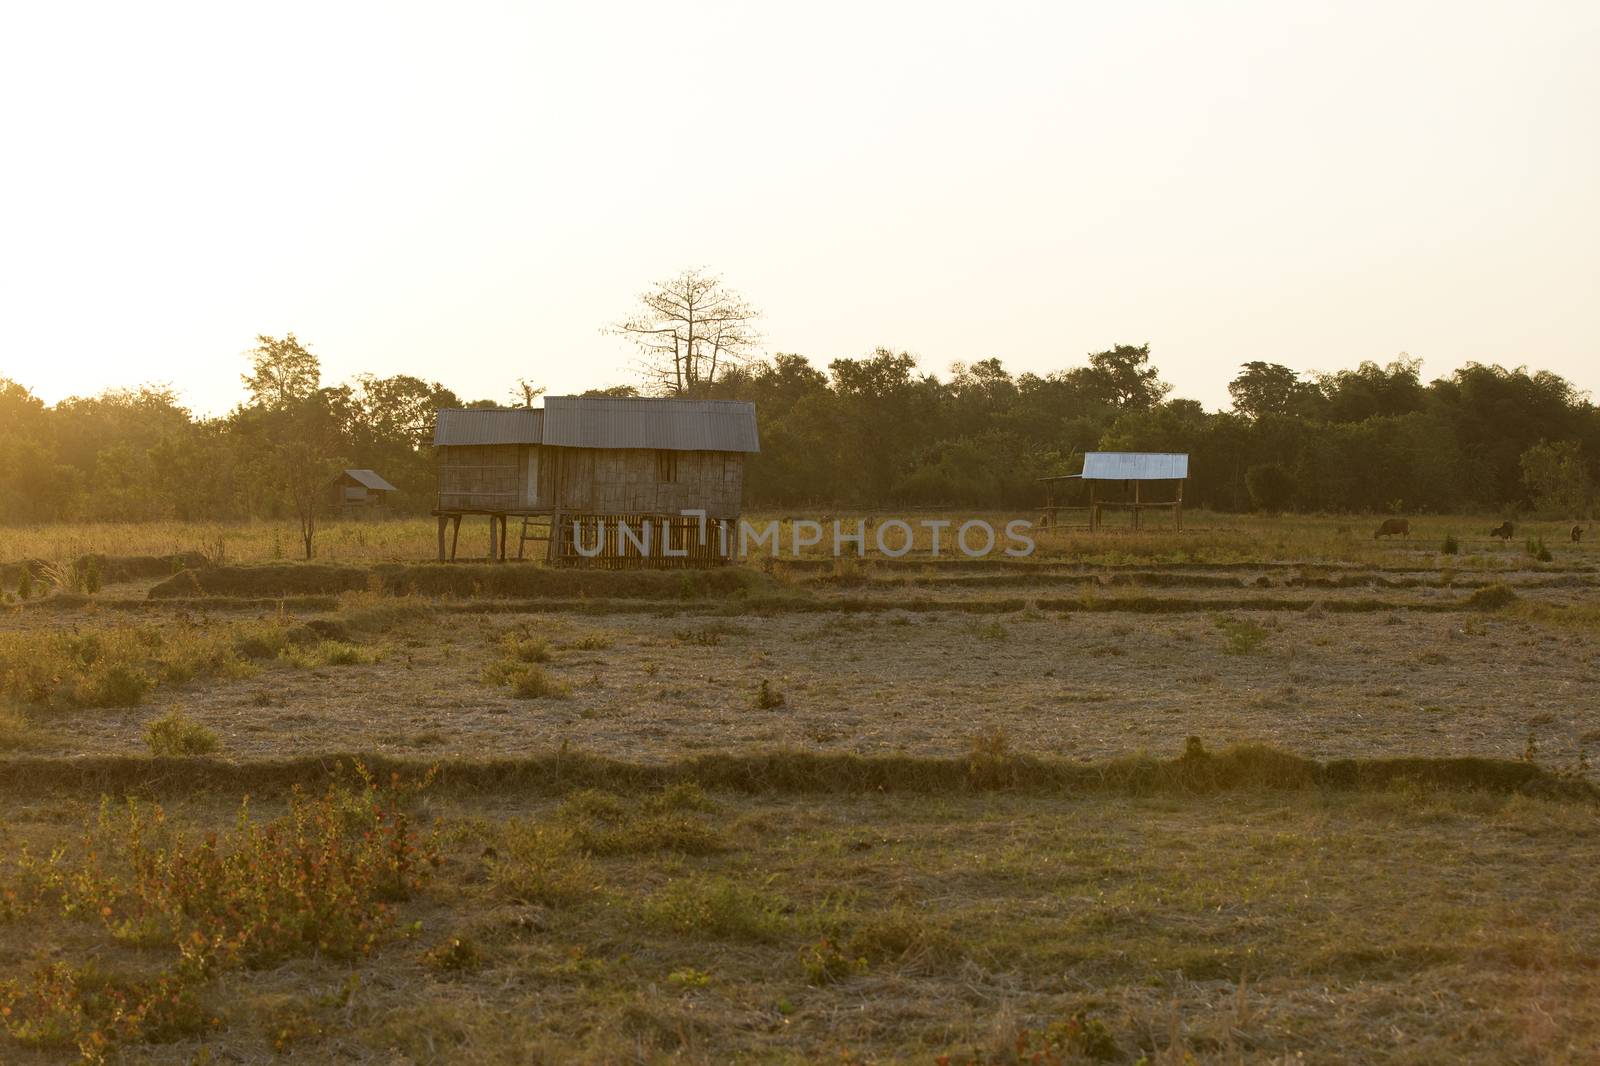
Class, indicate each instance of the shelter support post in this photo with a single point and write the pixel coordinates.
(443, 519)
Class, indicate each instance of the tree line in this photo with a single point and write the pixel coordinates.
(869, 432)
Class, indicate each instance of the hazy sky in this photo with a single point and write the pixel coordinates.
(469, 192)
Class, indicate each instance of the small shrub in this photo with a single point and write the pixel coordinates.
(824, 963)
(525, 649)
(530, 682)
(768, 697)
(591, 642)
(689, 977)
(1535, 547)
(173, 734)
(456, 955)
(1241, 637)
(1451, 545)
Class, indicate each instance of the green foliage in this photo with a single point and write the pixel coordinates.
(1271, 487)
(173, 734)
(1558, 478)
(1535, 548)
(1451, 545)
(864, 431)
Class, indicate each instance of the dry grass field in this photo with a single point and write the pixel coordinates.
(1264, 791)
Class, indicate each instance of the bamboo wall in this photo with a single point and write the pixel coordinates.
(616, 481)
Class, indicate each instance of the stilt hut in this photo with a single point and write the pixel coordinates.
(599, 481)
(358, 492)
(1131, 481)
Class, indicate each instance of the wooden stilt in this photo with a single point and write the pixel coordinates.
(455, 535)
(442, 520)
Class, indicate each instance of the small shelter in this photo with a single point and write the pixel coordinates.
(589, 474)
(358, 492)
(1122, 481)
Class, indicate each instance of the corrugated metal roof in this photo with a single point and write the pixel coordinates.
(1135, 466)
(489, 425)
(608, 422)
(645, 422)
(371, 480)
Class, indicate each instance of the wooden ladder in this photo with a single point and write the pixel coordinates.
(531, 532)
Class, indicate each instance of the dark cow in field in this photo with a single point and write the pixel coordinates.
(1393, 526)
(1577, 534)
(1503, 531)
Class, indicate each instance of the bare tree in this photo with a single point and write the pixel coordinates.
(304, 477)
(688, 328)
(526, 392)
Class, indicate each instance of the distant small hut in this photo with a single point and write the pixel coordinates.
(599, 481)
(354, 493)
(1131, 481)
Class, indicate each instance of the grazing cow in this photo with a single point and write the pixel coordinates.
(1391, 526)
(1577, 534)
(1503, 531)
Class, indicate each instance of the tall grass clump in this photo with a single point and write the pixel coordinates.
(1451, 545)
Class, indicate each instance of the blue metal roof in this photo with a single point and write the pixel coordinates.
(1135, 466)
